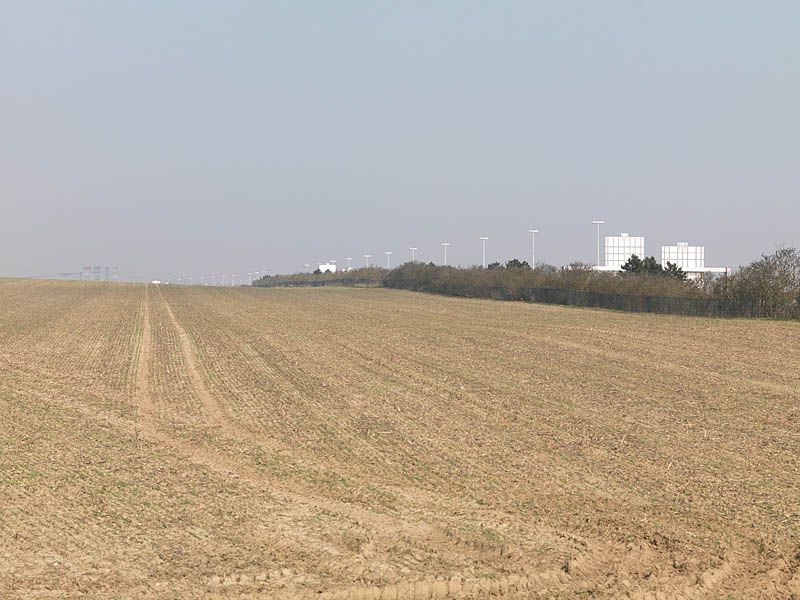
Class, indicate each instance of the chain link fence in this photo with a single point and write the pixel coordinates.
(694, 307)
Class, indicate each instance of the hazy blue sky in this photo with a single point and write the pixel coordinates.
(191, 138)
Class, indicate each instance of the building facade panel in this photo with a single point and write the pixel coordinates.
(620, 248)
(689, 258)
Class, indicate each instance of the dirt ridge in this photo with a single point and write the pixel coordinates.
(144, 400)
(215, 412)
(189, 442)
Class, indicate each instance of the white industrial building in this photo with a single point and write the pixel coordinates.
(327, 267)
(619, 248)
(690, 259)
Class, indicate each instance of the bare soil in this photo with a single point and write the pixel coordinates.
(172, 442)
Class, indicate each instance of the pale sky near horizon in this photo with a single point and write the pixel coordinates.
(196, 138)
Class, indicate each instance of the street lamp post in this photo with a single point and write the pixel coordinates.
(533, 233)
(598, 223)
(445, 245)
(483, 239)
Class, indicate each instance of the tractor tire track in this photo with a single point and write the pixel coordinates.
(596, 568)
(215, 412)
(144, 400)
(294, 508)
(588, 571)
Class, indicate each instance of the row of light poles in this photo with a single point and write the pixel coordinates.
(483, 240)
(388, 254)
(444, 245)
(230, 280)
(221, 280)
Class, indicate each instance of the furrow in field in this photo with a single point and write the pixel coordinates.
(296, 511)
(144, 399)
(272, 352)
(366, 516)
(239, 469)
(184, 442)
(214, 410)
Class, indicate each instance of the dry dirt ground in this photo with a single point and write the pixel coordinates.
(174, 442)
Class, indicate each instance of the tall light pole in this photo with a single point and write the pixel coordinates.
(348, 259)
(413, 254)
(366, 259)
(388, 254)
(483, 239)
(598, 223)
(445, 245)
(533, 233)
(307, 266)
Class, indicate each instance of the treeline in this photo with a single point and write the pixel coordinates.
(371, 276)
(513, 281)
(773, 281)
(767, 287)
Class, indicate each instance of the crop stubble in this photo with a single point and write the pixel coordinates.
(175, 441)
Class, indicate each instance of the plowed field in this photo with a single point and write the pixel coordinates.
(161, 441)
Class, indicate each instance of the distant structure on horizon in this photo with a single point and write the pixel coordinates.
(99, 273)
(618, 249)
(327, 267)
(690, 259)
